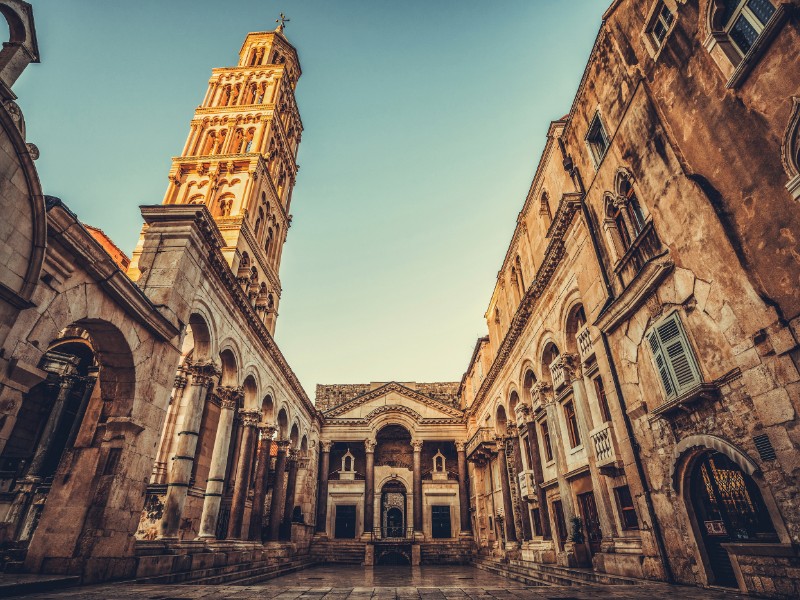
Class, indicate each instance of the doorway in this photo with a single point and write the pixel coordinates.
(345, 521)
(591, 522)
(440, 522)
(729, 508)
(393, 510)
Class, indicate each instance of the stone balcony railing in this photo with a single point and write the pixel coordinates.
(558, 373)
(605, 447)
(585, 346)
(521, 412)
(645, 247)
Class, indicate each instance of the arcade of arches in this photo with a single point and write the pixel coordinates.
(632, 411)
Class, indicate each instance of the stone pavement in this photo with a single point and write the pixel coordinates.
(400, 583)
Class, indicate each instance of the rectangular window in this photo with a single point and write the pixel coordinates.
(548, 449)
(662, 20)
(745, 21)
(572, 424)
(561, 524)
(536, 517)
(597, 140)
(602, 401)
(627, 513)
(673, 357)
(528, 455)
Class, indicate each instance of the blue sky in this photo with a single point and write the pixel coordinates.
(423, 124)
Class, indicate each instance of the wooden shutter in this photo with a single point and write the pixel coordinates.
(673, 356)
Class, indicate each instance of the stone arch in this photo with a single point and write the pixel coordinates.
(268, 407)
(574, 319)
(711, 442)
(21, 48)
(304, 445)
(250, 390)
(282, 424)
(790, 149)
(501, 419)
(545, 339)
(199, 335)
(294, 435)
(387, 418)
(230, 369)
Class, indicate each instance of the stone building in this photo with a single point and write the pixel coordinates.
(633, 408)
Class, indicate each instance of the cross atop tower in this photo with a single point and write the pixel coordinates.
(281, 21)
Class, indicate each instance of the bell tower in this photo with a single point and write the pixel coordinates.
(240, 161)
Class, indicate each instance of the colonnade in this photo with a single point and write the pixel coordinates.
(252, 467)
(370, 446)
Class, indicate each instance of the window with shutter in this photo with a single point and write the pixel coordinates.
(673, 357)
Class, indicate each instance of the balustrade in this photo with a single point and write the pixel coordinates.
(585, 347)
(605, 446)
(527, 484)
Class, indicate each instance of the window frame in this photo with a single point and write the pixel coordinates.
(669, 374)
(573, 428)
(602, 398)
(596, 127)
(743, 10)
(547, 444)
(658, 18)
(626, 510)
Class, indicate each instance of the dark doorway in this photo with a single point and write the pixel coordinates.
(591, 522)
(729, 508)
(393, 557)
(345, 521)
(394, 523)
(440, 522)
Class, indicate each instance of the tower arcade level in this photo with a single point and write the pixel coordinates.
(239, 161)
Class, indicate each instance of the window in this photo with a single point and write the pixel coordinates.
(744, 20)
(572, 424)
(597, 140)
(673, 357)
(536, 517)
(635, 214)
(548, 449)
(627, 513)
(602, 401)
(659, 26)
(561, 524)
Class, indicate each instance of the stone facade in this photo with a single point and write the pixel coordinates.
(632, 409)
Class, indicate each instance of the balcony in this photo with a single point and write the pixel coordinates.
(482, 445)
(521, 412)
(559, 374)
(539, 396)
(645, 247)
(605, 448)
(527, 485)
(585, 346)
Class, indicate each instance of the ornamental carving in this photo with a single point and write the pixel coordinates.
(461, 446)
(369, 446)
(417, 445)
(541, 392)
(229, 396)
(249, 417)
(400, 389)
(325, 446)
(203, 372)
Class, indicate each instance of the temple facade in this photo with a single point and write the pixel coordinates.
(632, 409)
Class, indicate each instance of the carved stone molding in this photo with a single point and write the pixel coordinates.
(229, 396)
(249, 417)
(203, 373)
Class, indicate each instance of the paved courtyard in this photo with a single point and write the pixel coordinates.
(352, 583)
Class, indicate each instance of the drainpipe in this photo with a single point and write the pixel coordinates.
(577, 180)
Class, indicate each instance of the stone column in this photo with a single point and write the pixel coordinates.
(508, 507)
(557, 438)
(278, 492)
(191, 413)
(228, 397)
(369, 487)
(262, 474)
(538, 474)
(291, 485)
(463, 488)
(249, 422)
(324, 467)
(168, 433)
(66, 383)
(417, 445)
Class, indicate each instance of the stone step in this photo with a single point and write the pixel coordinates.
(552, 574)
(20, 584)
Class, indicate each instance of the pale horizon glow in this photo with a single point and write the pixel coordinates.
(423, 124)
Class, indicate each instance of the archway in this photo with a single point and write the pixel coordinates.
(393, 557)
(393, 510)
(728, 507)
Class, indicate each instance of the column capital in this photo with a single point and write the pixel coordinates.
(571, 363)
(541, 393)
(369, 445)
(293, 454)
(325, 446)
(202, 372)
(461, 446)
(180, 382)
(267, 429)
(228, 395)
(417, 445)
(249, 417)
(283, 445)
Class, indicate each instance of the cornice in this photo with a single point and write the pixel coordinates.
(568, 206)
(65, 228)
(267, 108)
(392, 386)
(210, 234)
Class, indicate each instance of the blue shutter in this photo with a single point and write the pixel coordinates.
(661, 364)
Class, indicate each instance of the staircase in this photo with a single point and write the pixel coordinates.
(460, 552)
(348, 552)
(531, 573)
(242, 573)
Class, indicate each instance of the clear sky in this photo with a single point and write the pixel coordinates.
(423, 125)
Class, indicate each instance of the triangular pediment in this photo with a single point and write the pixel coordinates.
(393, 397)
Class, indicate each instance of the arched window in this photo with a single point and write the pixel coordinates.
(634, 209)
(615, 215)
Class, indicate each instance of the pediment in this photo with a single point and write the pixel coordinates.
(394, 397)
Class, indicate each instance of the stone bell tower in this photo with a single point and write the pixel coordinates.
(240, 161)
